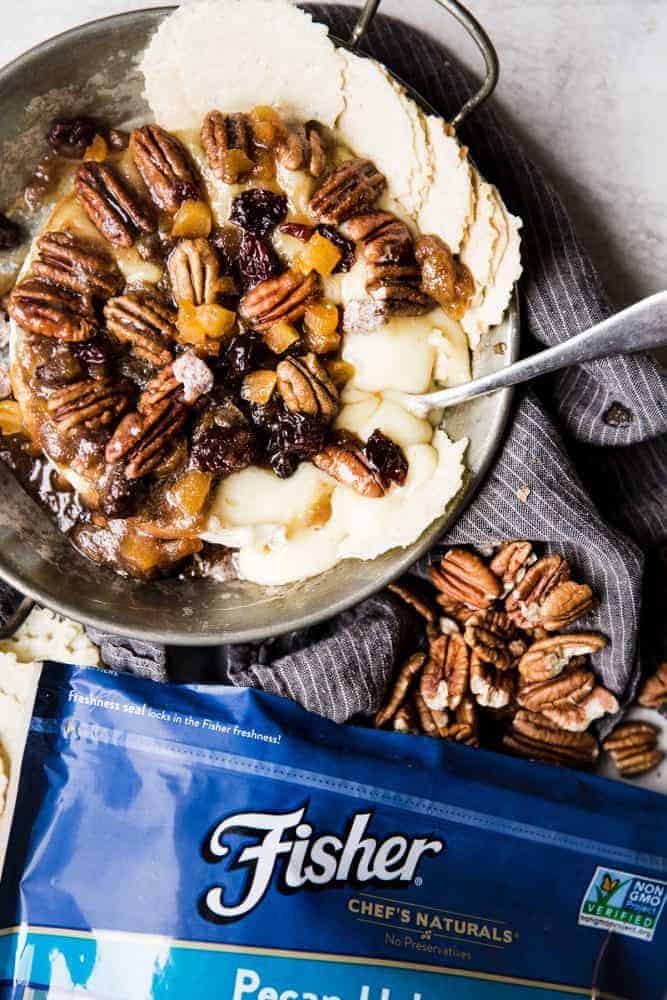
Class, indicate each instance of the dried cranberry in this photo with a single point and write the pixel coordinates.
(10, 233)
(293, 437)
(70, 137)
(241, 357)
(62, 368)
(223, 450)
(223, 441)
(386, 456)
(299, 230)
(257, 261)
(118, 495)
(226, 241)
(346, 247)
(92, 352)
(258, 210)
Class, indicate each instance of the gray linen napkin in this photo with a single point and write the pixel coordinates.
(583, 469)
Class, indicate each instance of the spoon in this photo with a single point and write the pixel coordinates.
(640, 327)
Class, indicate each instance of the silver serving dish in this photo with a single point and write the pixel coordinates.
(93, 69)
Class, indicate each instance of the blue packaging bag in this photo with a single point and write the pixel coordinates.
(203, 842)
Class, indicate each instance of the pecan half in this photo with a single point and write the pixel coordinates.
(465, 728)
(444, 277)
(547, 658)
(535, 737)
(406, 720)
(445, 678)
(283, 298)
(165, 167)
(653, 693)
(415, 597)
(490, 634)
(112, 207)
(573, 685)
(397, 287)
(463, 576)
(385, 238)
(40, 307)
(345, 461)
(143, 322)
(305, 386)
(353, 187)
(567, 602)
(143, 441)
(577, 715)
(511, 561)
(633, 748)
(303, 148)
(432, 722)
(492, 688)
(222, 133)
(400, 688)
(90, 403)
(523, 603)
(163, 386)
(73, 263)
(194, 270)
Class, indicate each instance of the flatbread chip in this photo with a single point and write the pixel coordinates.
(46, 636)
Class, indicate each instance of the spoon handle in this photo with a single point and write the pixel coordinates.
(640, 327)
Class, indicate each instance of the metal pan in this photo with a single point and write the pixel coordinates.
(92, 69)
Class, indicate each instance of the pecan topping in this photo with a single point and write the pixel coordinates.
(163, 386)
(353, 187)
(444, 277)
(445, 678)
(548, 658)
(523, 603)
(397, 287)
(222, 133)
(386, 239)
(72, 263)
(143, 322)
(90, 403)
(492, 688)
(164, 167)
(194, 270)
(463, 576)
(143, 441)
(535, 737)
(633, 748)
(511, 561)
(112, 207)
(305, 386)
(399, 690)
(567, 602)
(303, 149)
(345, 461)
(406, 719)
(653, 693)
(40, 307)
(283, 298)
(432, 721)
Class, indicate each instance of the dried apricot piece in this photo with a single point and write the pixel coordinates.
(280, 336)
(193, 220)
(321, 327)
(11, 421)
(258, 386)
(190, 493)
(319, 254)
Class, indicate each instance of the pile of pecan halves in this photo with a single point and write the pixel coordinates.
(497, 667)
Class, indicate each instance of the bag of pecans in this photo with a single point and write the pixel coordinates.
(195, 842)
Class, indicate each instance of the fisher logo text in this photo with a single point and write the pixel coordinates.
(286, 841)
(626, 903)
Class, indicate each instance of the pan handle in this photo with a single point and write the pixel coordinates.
(476, 32)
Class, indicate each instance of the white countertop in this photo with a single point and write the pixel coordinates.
(582, 81)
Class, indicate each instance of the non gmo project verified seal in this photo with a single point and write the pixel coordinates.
(623, 902)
